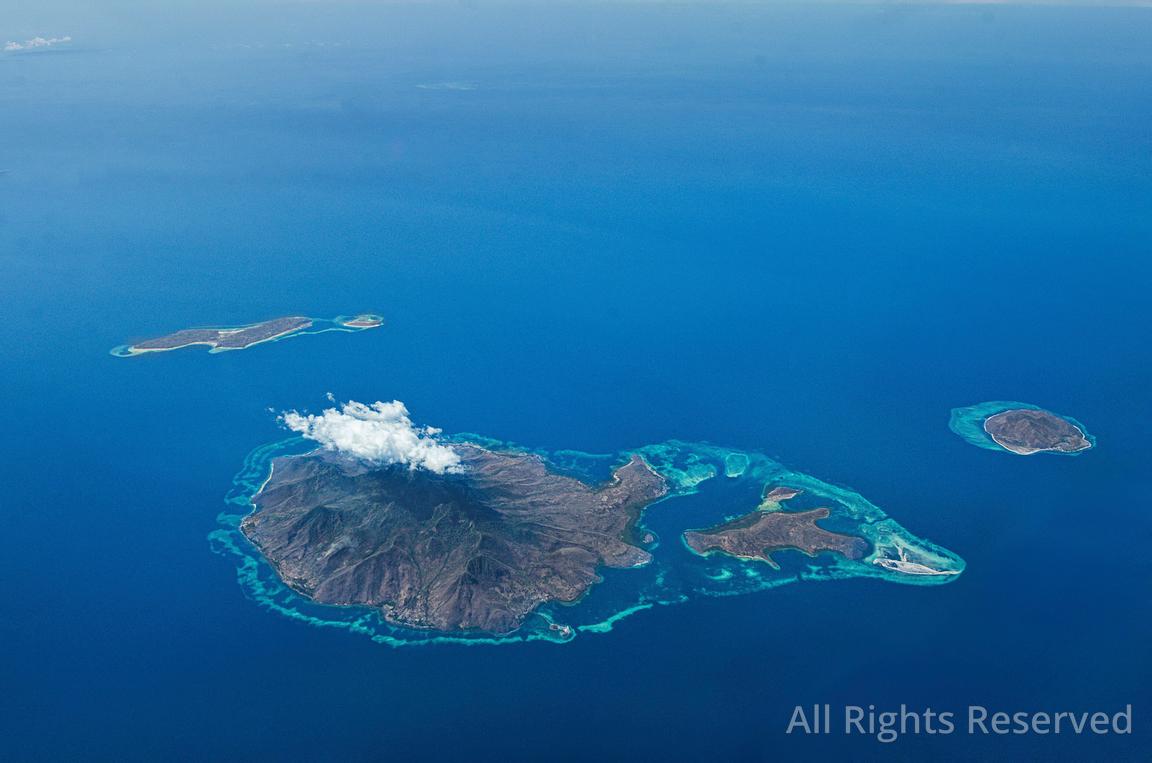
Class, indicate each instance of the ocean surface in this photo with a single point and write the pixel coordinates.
(807, 232)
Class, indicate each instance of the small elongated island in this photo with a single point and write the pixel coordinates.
(769, 529)
(242, 337)
(1020, 428)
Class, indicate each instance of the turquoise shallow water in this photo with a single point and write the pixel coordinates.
(675, 575)
(797, 231)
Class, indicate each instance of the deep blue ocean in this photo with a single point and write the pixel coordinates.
(805, 231)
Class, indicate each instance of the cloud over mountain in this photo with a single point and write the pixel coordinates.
(381, 433)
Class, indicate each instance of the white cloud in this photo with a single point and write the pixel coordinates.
(380, 433)
(36, 42)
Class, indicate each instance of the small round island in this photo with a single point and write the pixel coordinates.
(362, 321)
(1020, 428)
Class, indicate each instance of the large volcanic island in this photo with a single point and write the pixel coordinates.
(1025, 431)
(476, 549)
